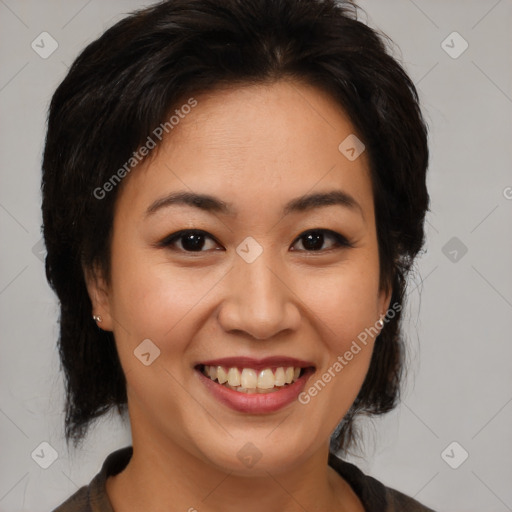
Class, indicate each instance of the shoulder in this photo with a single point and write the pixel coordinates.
(93, 497)
(79, 502)
(398, 502)
(374, 496)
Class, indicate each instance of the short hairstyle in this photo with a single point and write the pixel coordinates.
(129, 80)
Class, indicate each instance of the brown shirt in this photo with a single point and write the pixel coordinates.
(374, 496)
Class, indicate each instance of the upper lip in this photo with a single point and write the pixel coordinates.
(257, 364)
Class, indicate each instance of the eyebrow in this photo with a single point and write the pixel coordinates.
(210, 203)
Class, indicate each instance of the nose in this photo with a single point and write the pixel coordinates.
(259, 301)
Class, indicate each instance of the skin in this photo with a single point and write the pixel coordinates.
(255, 147)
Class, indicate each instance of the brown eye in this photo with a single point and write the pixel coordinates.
(189, 241)
(314, 240)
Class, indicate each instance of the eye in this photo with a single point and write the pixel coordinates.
(196, 240)
(314, 239)
(191, 240)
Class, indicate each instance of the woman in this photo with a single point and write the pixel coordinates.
(233, 195)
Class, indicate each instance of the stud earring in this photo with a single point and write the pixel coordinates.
(96, 318)
(380, 323)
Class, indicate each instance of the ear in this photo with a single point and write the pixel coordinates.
(384, 300)
(100, 298)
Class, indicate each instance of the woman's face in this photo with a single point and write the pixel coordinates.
(285, 266)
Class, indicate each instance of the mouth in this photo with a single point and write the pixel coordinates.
(255, 386)
(249, 380)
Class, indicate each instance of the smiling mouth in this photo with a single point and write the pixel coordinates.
(251, 381)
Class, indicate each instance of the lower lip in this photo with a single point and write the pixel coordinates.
(256, 403)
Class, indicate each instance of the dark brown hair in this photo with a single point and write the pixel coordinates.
(125, 83)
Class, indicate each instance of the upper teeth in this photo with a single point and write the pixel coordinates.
(249, 379)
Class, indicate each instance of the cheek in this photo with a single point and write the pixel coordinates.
(152, 298)
(345, 309)
(344, 300)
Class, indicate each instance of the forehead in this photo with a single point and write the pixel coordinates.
(254, 146)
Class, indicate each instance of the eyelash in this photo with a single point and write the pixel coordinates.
(340, 240)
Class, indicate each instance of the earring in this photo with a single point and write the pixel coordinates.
(380, 323)
(96, 318)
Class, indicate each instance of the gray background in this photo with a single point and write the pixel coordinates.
(459, 314)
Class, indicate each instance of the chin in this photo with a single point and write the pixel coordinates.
(256, 455)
